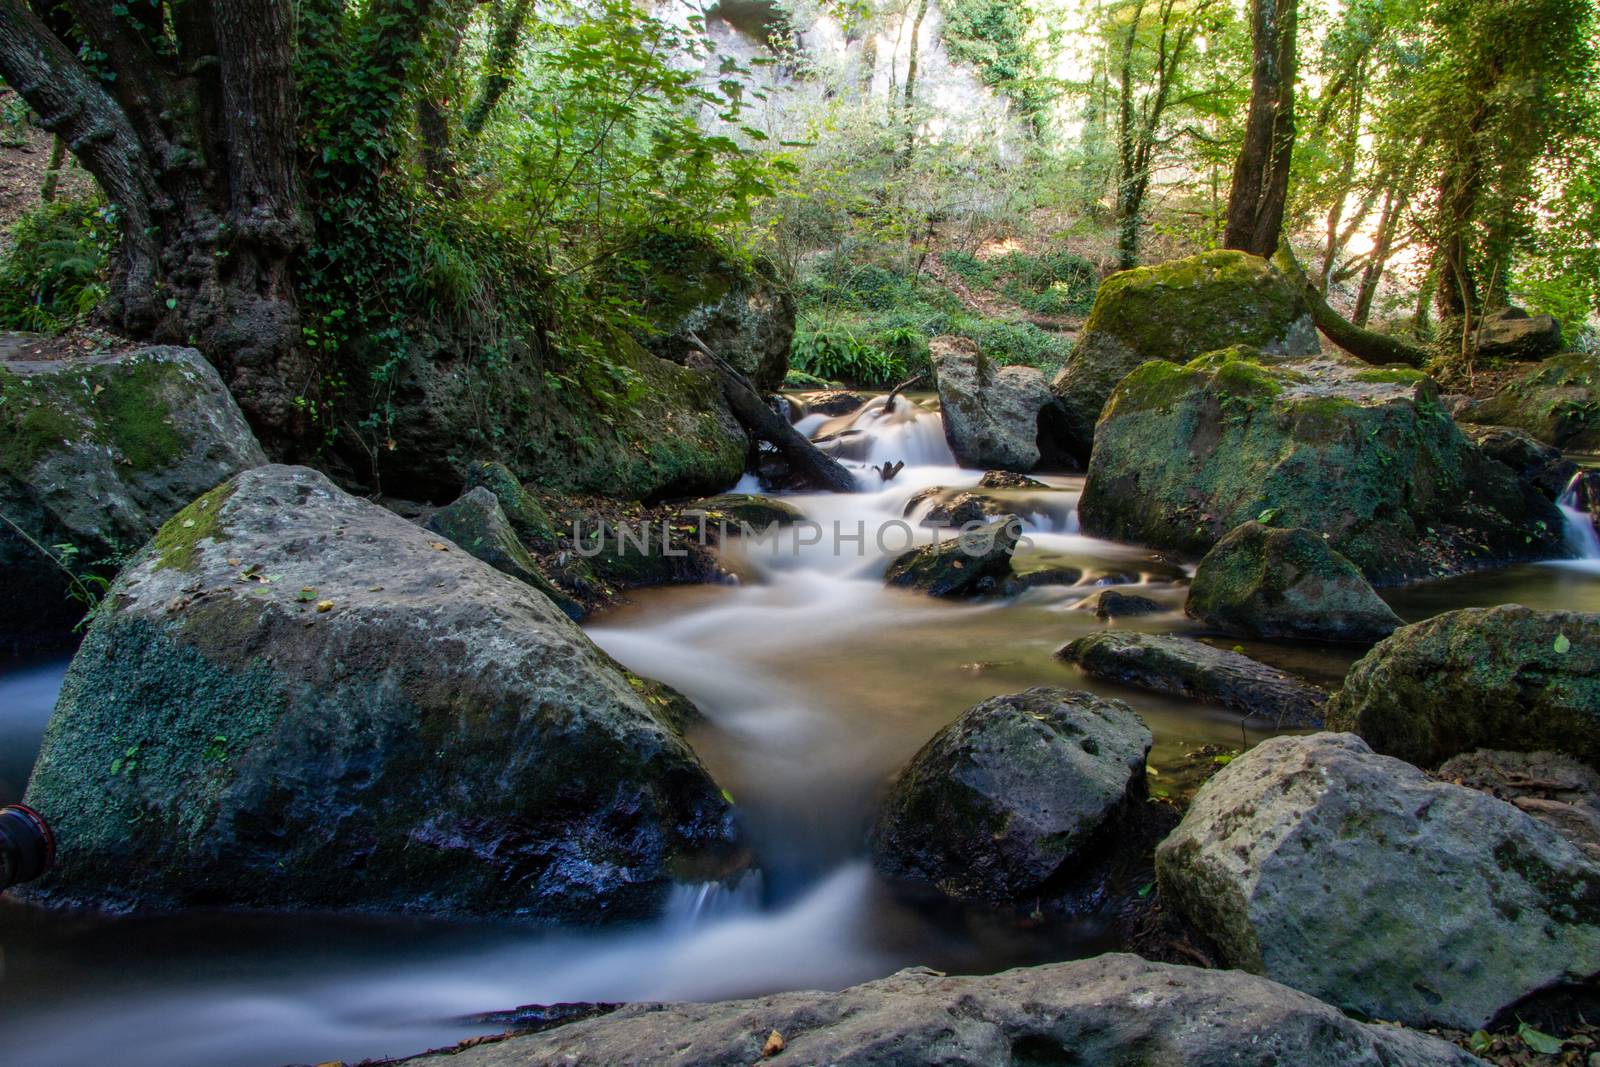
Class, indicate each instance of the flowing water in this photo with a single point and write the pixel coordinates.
(817, 683)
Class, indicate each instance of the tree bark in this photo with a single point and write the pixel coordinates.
(1261, 177)
(1366, 345)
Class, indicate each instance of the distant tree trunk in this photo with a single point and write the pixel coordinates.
(505, 40)
(1137, 131)
(1129, 195)
(1372, 273)
(908, 110)
(1261, 177)
(1376, 348)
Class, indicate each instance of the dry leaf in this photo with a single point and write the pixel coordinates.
(324, 605)
(440, 546)
(774, 1044)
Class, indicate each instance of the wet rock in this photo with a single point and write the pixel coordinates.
(1009, 480)
(301, 700)
(1557, 401)
(528, 518)
(1190, 668)
(1554, 788)
(951, 507)
(992, 415)
(755, 511)
(646, 550)
(974, 563)
(1535, 462)
(479, 525)
(1176, 311)
(835, 403)
(1032, 572)
(1511, 333)
(1014, 789)
(1113, 1009)
(954, 508)
(1185, 454)
(95, 454)
(1505, 677)
(1356, 878)
(1265, 582)
(1110, 604)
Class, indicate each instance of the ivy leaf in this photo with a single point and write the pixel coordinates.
(1562, 645)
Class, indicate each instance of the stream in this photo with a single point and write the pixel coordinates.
(817, 683)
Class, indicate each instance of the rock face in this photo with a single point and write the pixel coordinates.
(1190, 668)
(1557, 401)
(1540, 465)
(1511, 333)
(970, 564)
(96, 453)
(301, 700)
(1113, 1009)
(1505, 677)
(1554, 788)
(1176, 311)
(479, 526)
(998, 417)
(1187, 453)
(1003, 797)
(1265, 582)
(1357, 879)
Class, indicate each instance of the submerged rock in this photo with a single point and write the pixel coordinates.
(1264, 582)
(1017, 787)
(835, 403)
(996, 417)
(1557, 401)
(1356, 878)
(1113, 1009)
(1110, 604)
(1505, 677)
(1187, 453)
(973, 563)
(1177, 311)
(479, 525)
(301, 700)
(95, 454)
(1190, 668)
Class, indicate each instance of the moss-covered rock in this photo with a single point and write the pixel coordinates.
(751, 509)
(95, 454)
(1110, 604)
(650, 550)
(1265, 582)
(1512, 333)
(1360, 880)
(1506, 677)
(479, 526)
(1558, 401)
(1003, 797)
(1540, 465)
(527, 516)
(1186, 453)
(1176, 311)
(974, 563)
(321, 705)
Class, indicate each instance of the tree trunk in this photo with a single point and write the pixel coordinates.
(908, 111)
(1129, 196)
(1261, 178)
(1365, 345)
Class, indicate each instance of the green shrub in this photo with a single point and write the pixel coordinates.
(53, 274)
(838, 355)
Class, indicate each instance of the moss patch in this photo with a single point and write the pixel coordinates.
(131, 410)
(176, 542)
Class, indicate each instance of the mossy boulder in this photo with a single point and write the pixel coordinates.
(1512, 333)
(1557, 401)
(1187, 452)
(1265, 582)
(1014, 789)
(529, 519)
(1110, 604)
(1176, 311)
(478, 525)
(95, 454)
(687, 284)
(1003, 418)
(1360, 880)
(976, 562)
(1505, 677)
(758, 512)
(300, 700)
(645, 550)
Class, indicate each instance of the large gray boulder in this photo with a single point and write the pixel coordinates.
(97, 452)
(1186, 453)
(1265, 582)
(1014, 789)
(994, 417)
(1176, 311)
(1506, 677)
(1113, 1009)
(1360, 880)
(301, 700)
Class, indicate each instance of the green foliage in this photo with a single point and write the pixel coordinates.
(53, 274)
(994, 36)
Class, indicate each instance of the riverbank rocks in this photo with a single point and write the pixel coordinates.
(1003, 797)
(994, 417)
(1189, 668)
(1512, 333)
(1187, 453)
(1558, 790)
(1112, 1009)
(1265, 582)
(973, 563)
(1110, 604)
(96, 452)
(479, 526)
(1558, 401)
(1177, 311)
(300, 700)
(1540, 465)
(1356, 878)
(756, 511)
(529, 519)
(1505, 677)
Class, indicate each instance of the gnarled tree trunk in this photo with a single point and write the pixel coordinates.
(1261, 178)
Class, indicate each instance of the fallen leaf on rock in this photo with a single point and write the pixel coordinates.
(774, 1044)
(324, 605)
(439, 546)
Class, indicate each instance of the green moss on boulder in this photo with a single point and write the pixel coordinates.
(1557, 401)
(477, 523)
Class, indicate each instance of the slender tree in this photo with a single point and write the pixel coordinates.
(1261, 177)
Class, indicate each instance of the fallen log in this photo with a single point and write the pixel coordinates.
(1366, 345)
(816, 467)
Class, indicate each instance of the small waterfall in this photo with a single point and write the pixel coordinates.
(880, 432)
(1580, 532)
(693, 904)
